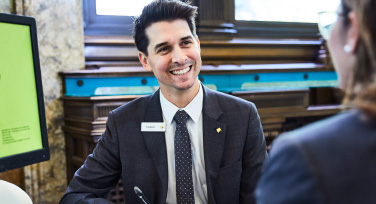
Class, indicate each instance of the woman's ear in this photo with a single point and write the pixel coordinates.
(353, 32)
(144, 61)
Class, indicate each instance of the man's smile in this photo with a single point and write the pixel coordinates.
(182, 71)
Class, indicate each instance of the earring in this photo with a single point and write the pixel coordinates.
(347, 48)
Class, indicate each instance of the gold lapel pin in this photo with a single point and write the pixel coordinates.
(161, 126)
(219, 130)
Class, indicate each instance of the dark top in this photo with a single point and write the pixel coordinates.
(331, 161)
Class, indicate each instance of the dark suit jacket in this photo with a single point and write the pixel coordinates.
(233, 157)
(332, 161)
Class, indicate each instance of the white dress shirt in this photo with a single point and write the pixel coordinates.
(194, 125)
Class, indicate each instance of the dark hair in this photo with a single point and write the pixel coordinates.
(361, 88)
(345, 12)
(162, 10)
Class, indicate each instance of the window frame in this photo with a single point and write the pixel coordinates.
(122, 25)
(104, 25)
(274, 29)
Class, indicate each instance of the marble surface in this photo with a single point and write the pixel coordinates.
(5, 6)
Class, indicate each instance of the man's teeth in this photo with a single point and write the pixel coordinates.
(181, 72)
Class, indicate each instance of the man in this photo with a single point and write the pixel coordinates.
(182, 144)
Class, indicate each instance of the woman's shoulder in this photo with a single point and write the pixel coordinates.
(333, 125)
(338, 132)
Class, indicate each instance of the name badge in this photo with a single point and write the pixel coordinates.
(152, 127)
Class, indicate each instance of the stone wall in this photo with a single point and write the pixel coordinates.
(5, 6)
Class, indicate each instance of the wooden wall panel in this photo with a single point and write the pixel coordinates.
(121, 51)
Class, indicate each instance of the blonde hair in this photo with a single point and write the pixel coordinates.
(361, 90)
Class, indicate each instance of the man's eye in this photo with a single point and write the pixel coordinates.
(163, 49)
(187, 42)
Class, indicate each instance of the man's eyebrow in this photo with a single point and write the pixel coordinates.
(187, 37)
(159, 45)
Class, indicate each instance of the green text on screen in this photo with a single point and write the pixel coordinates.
(19, 116)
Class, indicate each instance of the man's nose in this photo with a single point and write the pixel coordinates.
(178, 56)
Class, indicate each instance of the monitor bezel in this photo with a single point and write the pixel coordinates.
(31, 157)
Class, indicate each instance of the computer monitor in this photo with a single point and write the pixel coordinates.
(23, 134)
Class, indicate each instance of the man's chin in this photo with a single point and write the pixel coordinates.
(186, 87)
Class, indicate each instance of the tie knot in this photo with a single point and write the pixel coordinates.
(181, 117)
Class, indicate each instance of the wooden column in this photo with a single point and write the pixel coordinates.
(215, 19)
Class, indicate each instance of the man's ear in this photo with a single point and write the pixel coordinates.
(144, 60)
(353, 32)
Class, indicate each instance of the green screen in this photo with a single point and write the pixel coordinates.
(19, 117)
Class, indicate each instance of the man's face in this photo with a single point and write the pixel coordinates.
(174, 55)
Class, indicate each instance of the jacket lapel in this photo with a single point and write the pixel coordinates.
(156, 142)
(214, 139)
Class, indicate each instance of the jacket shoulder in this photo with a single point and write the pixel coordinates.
(337, 125)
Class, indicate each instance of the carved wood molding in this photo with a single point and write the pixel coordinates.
(205, 69)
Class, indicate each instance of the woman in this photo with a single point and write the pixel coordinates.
(334, 160)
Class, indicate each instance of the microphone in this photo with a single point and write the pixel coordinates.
(140, 195)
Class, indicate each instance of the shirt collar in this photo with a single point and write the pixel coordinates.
(193, 109)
